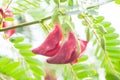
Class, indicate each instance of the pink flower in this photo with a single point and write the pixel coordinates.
(7, 14)
(51, 44)
(68, 52)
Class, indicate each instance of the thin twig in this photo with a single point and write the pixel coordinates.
(107, 57)
(73, 72)
(84, 17)
(45, 26)
(25, 24)
(8, 5)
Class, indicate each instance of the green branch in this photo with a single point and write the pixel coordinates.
(25, 24)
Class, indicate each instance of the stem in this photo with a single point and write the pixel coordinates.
(73, 72)
(25, 24)
(110, 63)
(8, 5)
(45, 26)
(89, 26)
(4, 76)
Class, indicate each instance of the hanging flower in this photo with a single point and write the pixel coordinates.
(51, 44)
(68, 52)
(6, 14)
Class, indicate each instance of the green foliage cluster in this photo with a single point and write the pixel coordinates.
(85, 71)
(26, 68)
(105, 39)
(22, 6)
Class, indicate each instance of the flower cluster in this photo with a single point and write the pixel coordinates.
(60, 53)
(3, 15)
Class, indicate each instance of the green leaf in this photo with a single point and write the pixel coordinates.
(55, 17)
(56, 1)
(66, 27)
(103, 43)
(102, 29)
(62, 0)
(33, 61)
(95, 42)
(10, 67)
(42, 13)
(84, 23)
(80, 16)
(98, 19)
(32, 3)
(23, 46)
(86, 73)
(83, 58)
(110, 76)
(27, 53)
(48, 1)
(27, 78)
(111, 36)
(112, 42)
(117, 64)
(88, 34)
(4, 61)
(97, 51)
(18, 10)
(113, 49)
(38, 77)
(18, 73)
(78, 67)
(70, 2)
(16, 39)
(114, 56)
(106, 24)
(9, 19)
(110, 29)
(68, 74)
(37, 70)
(117, 1)
(23, 6)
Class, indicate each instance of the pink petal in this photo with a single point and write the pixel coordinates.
(9, 33)
(83, 45)
(66, 51)
(76, 55)
(50, 46)
(1, 11)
